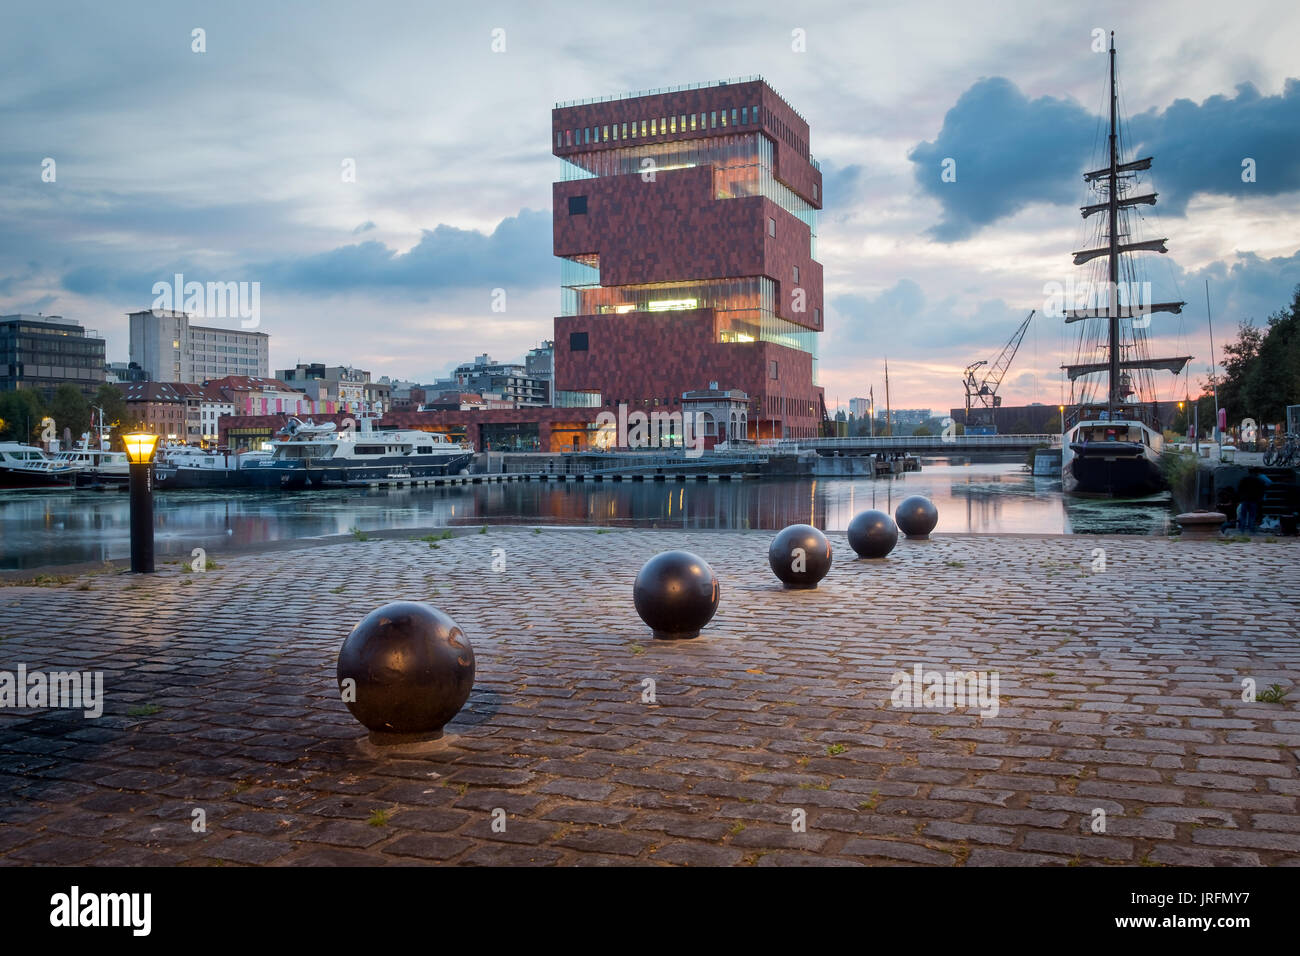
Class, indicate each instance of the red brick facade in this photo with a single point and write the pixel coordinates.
(649, 359)
(674, 228)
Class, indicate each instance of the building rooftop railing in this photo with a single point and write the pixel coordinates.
(660, 90)
(707, 84)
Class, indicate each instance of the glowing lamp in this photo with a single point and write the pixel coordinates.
(140, 447)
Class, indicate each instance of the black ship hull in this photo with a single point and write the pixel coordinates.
(172, 479)
(34, 480)
(1117, 469)
(100, 479)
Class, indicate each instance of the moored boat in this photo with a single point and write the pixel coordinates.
(1112, 445)
(308, 455)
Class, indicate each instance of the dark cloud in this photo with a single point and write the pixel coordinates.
(1011, 151)
(840, 184)
(1008, 151)
(515, 255)
(1200, 149)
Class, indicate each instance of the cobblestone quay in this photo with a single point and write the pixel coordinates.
(1120, 734)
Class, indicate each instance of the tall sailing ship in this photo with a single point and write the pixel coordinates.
(1112, 437)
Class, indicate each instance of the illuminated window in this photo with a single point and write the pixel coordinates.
(615, 132)
(683, 122)
(625, 129)
(713, 120)
(663, 124)
(673, 128)
(771, 227)
(643, 127)
(692, 122)
(605, 134)
(724, 117)
(568, 137)
(654, 127)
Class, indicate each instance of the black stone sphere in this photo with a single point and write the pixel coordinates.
(413, 667)
(872, 534)
(676, 594)
(800, 556)
(917, 516)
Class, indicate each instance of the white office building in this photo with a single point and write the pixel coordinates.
(171, 349)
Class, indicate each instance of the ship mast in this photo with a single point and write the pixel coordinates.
(1112, 400)
(1112, 174)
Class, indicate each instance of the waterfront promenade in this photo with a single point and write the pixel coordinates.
(1120, 691)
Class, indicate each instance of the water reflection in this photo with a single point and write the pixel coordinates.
(44, 528)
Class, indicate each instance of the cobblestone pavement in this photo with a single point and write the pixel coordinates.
(1120, 691)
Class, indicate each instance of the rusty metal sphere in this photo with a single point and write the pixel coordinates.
(412, 669)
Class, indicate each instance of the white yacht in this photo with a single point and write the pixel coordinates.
(307, 455)
(185, 466)
(26, 466)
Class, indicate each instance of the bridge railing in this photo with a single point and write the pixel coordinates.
(915, 442)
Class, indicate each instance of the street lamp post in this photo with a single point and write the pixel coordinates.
(139, 450)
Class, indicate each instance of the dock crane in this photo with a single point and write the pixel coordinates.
(983, 392)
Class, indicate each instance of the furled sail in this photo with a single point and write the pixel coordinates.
(1174, 365)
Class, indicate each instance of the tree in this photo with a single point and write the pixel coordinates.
(70, 410)
(21, 412)
(1261, 368)
(920, 431)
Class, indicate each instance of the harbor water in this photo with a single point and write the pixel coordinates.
(48, 528)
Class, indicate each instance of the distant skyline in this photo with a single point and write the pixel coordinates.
(229, 165)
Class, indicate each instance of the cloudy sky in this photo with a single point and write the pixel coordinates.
(226, 165)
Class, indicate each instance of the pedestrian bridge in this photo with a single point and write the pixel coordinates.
(931, 445)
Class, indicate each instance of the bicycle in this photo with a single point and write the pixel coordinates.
(1283, 452)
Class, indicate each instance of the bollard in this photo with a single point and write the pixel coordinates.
(872, 534)
(917, 516)
(800, 556)
(411, 668)
(676, 594)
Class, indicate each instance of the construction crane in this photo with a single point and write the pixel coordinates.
(983, 392)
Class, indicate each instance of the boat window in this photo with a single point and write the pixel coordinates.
(370, 449)
(425, 449)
